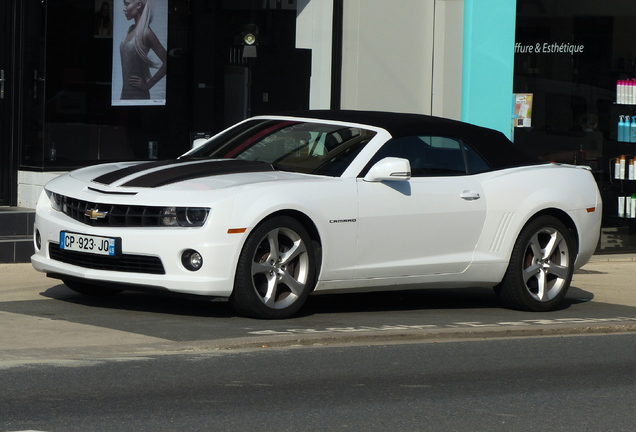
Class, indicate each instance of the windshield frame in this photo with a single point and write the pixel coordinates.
(290, 144)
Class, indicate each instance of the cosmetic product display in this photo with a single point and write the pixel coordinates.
(626, 129)
(626, 91)
(624, 168)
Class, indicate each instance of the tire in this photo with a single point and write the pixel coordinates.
(276, 270)
(90, 289)
(540, 268)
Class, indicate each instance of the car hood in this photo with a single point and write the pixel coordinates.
(181, 174)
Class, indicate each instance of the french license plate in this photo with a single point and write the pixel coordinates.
(88, 243)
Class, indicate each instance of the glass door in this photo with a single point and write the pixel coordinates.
(32, 80)
(6, 100)
(71, 50)
(22, 53)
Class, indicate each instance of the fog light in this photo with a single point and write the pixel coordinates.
(191, 260)
(38, 240)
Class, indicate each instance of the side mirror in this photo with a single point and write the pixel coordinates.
(199, 142)
(389, 169)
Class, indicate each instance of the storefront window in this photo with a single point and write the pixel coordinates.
(77, 110)
(69, 118)
(569, 56)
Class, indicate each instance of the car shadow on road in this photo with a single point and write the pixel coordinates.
(385, 301)
(424, 299)
(158, 303)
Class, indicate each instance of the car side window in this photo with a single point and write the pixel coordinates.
(474, 161)
(433, 155)
(439, 156)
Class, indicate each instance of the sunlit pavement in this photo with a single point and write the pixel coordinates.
(41, 318)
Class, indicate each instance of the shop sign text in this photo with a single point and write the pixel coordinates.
(549, 48)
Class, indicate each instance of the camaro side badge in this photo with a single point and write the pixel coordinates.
(95, 214)
(342, 220)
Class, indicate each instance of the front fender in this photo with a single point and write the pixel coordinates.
(330, 204)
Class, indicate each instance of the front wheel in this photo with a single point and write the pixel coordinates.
(276, 270)
(540, 268)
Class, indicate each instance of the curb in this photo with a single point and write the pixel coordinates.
(612, 258)
(440, 335)
(88, 353)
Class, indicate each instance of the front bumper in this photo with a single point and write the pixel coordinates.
(219, 249)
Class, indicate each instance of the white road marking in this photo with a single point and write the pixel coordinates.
(472, 324)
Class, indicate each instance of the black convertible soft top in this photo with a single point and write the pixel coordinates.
(493, 146)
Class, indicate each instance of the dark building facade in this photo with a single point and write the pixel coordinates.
(230, 59)
(58, 70)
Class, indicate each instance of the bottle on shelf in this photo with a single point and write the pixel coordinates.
(621, 167)
(626, 91)
(627, 130)
(621, 128)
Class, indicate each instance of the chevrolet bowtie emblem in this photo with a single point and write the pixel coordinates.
(95, 214)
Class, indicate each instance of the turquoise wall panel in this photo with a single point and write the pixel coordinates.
(489, 38)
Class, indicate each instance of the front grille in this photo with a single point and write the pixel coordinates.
(112, 215)
(121, 263)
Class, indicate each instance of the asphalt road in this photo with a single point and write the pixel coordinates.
(564, 383)
(418, 360)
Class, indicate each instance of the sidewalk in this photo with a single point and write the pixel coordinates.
(611, 278)
(606, 279)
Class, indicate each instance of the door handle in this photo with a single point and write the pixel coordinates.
(2, 81)
(36, 80)
(470, 195)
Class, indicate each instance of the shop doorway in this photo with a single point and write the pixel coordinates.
(30, 84)
(22, 89)
(6, 100)
(65, 102)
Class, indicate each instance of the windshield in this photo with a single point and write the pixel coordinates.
(297, 146)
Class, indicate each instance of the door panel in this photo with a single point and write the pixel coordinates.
(423, 226)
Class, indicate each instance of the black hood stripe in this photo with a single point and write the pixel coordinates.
(189, 171)
(113, 176)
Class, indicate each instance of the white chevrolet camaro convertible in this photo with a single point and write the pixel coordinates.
(279, 207)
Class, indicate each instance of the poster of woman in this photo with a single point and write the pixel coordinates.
(140, 35)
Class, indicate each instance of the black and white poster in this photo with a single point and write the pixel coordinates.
(140, 36)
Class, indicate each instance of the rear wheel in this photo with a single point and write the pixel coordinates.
(540, 268)
(90, 289)
(276, 270)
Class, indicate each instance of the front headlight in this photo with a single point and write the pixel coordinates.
(184, 216)
(57, 201)
(192, 216)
